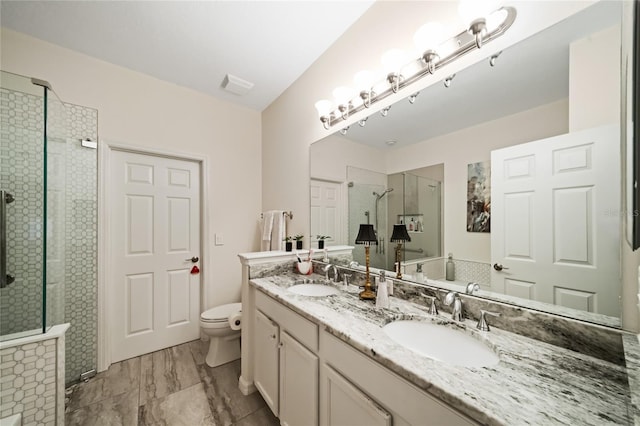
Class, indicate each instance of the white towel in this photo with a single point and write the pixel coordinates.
(279, 230)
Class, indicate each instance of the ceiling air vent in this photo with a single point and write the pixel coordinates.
(236, 85)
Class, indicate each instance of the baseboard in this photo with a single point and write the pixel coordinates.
(247, 388)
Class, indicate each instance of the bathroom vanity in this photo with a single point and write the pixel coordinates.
(326, 360)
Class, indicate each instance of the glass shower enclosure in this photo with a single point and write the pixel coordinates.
(33, 133)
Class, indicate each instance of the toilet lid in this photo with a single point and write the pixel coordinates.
(221, 313)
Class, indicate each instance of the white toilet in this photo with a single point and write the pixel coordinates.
(224, 343)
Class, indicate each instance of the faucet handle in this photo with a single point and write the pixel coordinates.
(345, 279)
(483, 325)
(433, 309)
(472, 287)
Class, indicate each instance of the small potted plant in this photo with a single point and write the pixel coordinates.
(288, 243)
(298, 239)
(321, 239)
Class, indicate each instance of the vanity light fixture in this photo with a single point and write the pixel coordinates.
(367, 236)
(485, 23)
(343, 95)
(364, 82)
(412, 98)
(447, 81)
(344, 130)
(385, 111)
(362, 122)
(393, 61)
(399, 235)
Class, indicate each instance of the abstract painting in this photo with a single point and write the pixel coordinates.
(479, 197)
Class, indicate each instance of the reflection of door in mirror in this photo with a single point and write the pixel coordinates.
(327, 210)
(555, 203)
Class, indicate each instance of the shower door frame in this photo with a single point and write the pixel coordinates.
(104, 231)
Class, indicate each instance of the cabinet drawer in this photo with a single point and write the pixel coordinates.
(305, 331)
(407, 403)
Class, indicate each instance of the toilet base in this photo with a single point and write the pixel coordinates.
(223, 350)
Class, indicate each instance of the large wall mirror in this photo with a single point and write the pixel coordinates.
(513, 167)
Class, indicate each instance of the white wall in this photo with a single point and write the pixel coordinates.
(136, 109)
(330, 158)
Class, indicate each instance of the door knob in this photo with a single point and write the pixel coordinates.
(194, 259)
(498, 267)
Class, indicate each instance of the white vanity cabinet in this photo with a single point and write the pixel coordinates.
(285, 362)
(310, 377)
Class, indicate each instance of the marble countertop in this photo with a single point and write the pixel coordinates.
(534, 383)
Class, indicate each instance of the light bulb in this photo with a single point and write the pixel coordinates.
(324, 107)
(471, 10)
(429, 36)
(393, 60)
(363, 80)
(343, 95)
(496, 19)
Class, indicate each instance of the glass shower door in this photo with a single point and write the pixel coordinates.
(30, 115)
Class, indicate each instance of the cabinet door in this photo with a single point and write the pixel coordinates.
(298, 383)
(266, 360)
(343, 404)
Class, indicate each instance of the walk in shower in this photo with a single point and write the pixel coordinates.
(48, 217)
(31, 207)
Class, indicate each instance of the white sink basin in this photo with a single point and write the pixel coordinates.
(313, 290)
(441, 343)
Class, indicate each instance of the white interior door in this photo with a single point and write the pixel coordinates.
(327, 210)
(155, 231)
(556, 220)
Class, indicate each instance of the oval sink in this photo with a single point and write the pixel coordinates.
(441, 343)
(313, 290)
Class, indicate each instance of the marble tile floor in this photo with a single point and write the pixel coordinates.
(170, 387)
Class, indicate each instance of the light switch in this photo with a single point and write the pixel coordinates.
(219, 240)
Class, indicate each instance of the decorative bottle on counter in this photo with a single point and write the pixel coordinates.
(451, 269)
(419, 274)
(411, 226)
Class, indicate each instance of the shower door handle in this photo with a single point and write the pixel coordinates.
(5, 279)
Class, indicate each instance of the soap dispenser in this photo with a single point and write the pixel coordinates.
(451, 269)
(419, 274)
(382, 296)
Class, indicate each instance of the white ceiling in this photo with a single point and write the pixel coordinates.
(194, 43)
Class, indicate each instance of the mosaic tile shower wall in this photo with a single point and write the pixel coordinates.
(22, 174)
(72, 225)
(81, 243)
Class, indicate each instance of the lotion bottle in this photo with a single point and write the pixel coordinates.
(419, 274)
(382, 295)
(451, 269)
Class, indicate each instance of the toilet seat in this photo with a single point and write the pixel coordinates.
(220, 313)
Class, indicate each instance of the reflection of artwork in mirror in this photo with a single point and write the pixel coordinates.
(479, 197)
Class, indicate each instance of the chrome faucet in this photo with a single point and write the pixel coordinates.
(335, 272)
(433, 309)
(456, 311)
(471, 287)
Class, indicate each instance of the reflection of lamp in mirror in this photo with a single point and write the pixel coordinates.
(447, 81)
(367, 236)
(399, 235)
